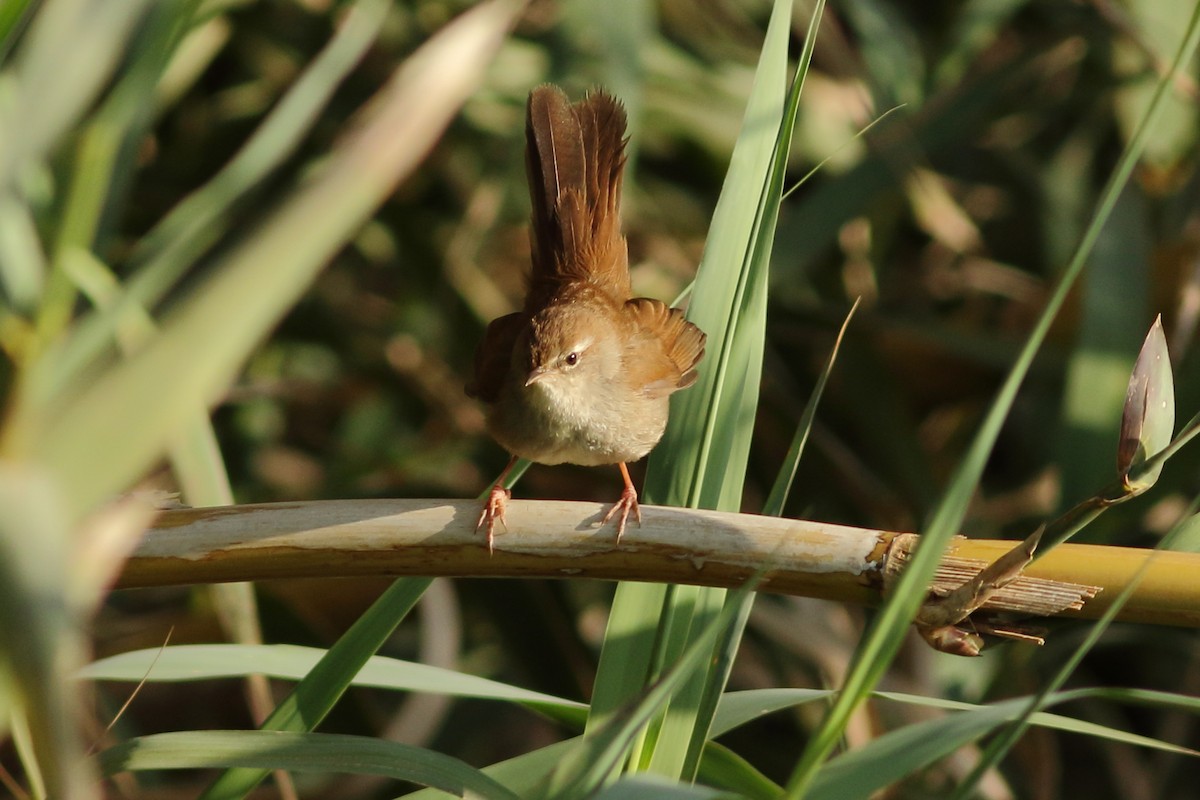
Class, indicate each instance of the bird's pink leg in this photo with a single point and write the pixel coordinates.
(627, 503)
(494, 506)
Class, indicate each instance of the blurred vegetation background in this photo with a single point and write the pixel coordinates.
(950, 218)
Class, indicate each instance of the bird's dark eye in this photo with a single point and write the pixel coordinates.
(572, 359)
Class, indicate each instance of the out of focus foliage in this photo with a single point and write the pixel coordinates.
(950, 218)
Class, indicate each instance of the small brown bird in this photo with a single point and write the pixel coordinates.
(583, 373)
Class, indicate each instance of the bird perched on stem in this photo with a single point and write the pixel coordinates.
(583, 373)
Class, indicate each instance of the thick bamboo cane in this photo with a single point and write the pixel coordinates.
(561, 540)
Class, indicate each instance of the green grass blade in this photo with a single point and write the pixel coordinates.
(739, 708)
(709, 420)
(724, 768)
(649, 787)
(180, 663)
(629, 641)
(301, 752)
(699, 721)
(889, 628)
(312, 698)
(587, 766)
(521, 774)
(683, 729)
(885, 760)
(1000, 746)
(729, 305)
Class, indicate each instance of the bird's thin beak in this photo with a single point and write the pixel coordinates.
(535, 375)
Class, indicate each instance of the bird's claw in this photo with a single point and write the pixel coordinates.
(493, 510)
(627, 503)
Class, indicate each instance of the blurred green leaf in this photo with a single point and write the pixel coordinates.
(977, 25)
(41, 643)
(188, 230)
(1187, 535)
(22, 262)
(105, 153)
(617, 34)
(1156, 32)
(144, 399)
(14, 15)
(65, 59)
(892, 50)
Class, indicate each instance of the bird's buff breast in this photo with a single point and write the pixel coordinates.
(553, 427)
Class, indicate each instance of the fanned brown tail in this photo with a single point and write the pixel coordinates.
(575, 155)
(554, 162)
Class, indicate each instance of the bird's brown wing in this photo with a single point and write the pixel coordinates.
(575, 155)
(494, 354)
(671, 346)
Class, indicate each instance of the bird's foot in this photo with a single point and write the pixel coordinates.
(493, 510)
(627, 503)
